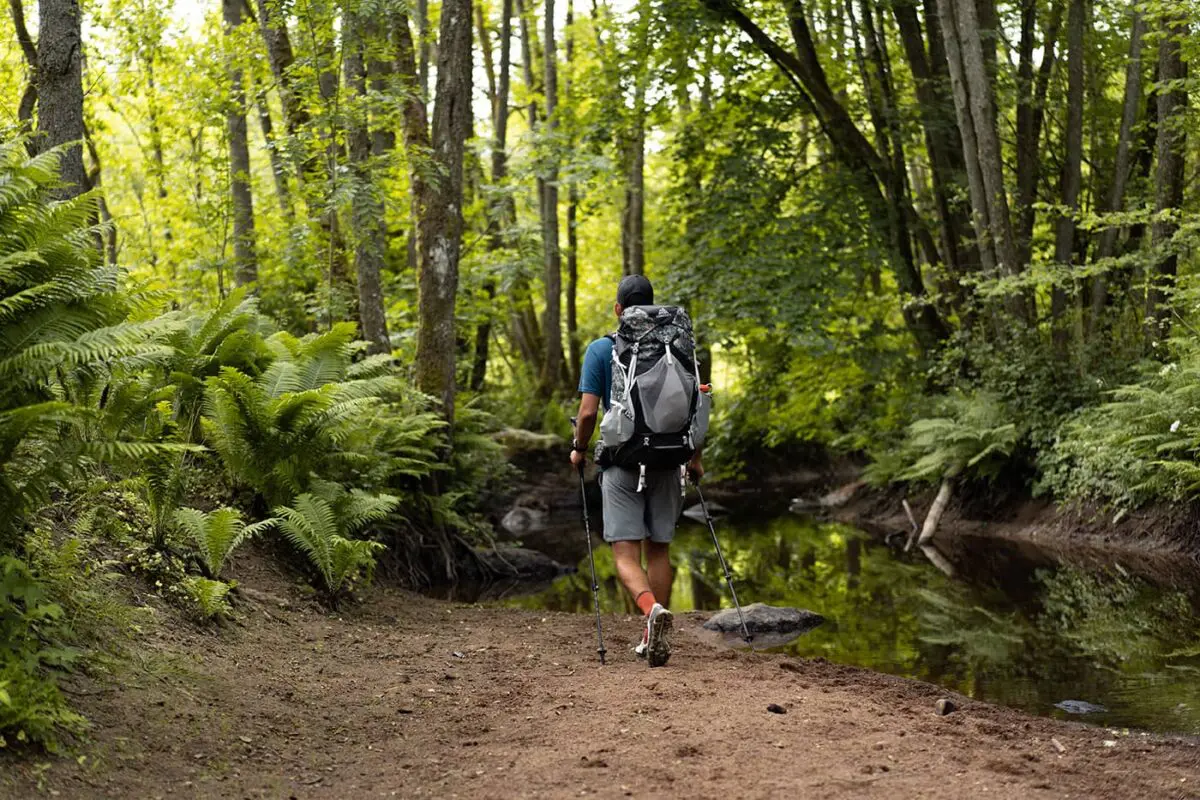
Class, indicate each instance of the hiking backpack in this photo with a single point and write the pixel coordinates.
(659, 414)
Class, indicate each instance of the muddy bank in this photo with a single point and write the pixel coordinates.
(411, 697)
(1159, 543)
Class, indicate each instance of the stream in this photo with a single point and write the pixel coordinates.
(1011, 625)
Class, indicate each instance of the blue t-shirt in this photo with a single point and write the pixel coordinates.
(596, 375)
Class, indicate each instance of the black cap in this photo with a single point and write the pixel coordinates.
(635, 290)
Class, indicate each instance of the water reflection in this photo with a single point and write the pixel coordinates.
(1007, 624)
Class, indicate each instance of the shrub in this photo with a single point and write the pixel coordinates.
(216, 534)
(321, 528)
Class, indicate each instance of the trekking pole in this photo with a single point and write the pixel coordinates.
(724, 566)
(587, 532)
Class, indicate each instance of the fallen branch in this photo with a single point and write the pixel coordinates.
(935, 511)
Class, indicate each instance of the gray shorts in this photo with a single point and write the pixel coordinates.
(630, 515)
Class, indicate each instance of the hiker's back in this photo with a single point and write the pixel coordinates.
(659, 416)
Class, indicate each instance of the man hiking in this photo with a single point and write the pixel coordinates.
(646, 440)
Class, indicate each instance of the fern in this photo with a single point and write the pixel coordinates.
(321, 528)
(209, 596)
(217, 534)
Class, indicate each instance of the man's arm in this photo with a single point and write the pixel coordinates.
(585, 424)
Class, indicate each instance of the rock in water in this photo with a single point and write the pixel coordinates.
(762, 618)
(519, 562)
(1080, 707)
(523, 520)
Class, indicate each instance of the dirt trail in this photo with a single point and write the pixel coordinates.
(410, 697)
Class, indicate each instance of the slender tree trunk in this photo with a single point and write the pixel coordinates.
(441, 221)
(423, 48)
(552, 317)
(501, 213)
(278, 170)
(1072, 175)
(943, 144)
(273, 24)
(633, 154)
(367, 213)
(245, 264)
(1169, 178)
(29, 95)
(574, 356)
(59, 78)
(1031, 113)
(1122, 165)
(527, 331)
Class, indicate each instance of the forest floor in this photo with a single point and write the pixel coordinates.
(405, 696)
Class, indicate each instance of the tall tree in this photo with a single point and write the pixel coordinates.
(1122, 164)
(1169, 177)
(59, 82)
(1072, 168)
(369, 224)
(574, 356)
(551, 376)
(29, 51)
(501, 213)
(440, 221)
(245, 262)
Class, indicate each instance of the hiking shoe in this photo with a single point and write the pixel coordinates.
(639, 649)
(658, 635)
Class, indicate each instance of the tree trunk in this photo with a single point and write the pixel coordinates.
(501, 213)
(632, 144)
(1115, 200)
(1031, 112)
(574, 355)
(1169, 178)
(278, 170)
(943, 143)
(1072, 175)
(440, 218)
(367, 213)
(245, 266)
(59, 78)
(552, 317)
(273, 24)
(29, 50)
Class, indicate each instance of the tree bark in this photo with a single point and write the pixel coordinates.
(574, 355)
(59, 80)
(1115, 200)
(440, 219)
(552, 316)
(1169, 177)
(245, 265)
(1072, 174)
(632, 145)
(367, 214)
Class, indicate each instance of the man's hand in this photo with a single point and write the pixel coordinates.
(578, 459)
(695, 468)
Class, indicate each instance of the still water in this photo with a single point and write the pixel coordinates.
(1015, 626)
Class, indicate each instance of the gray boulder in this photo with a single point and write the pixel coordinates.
(519, 562)
(764, 619)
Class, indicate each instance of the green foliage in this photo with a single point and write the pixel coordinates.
(32, 652)
(321, 528)
(216, 534)
(306, 417)
(969, 434)
(209, 596)
(1141, 444)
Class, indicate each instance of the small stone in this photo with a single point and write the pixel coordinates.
(1058, 745)
(775, 708)
(246, 739)
(945, 706)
